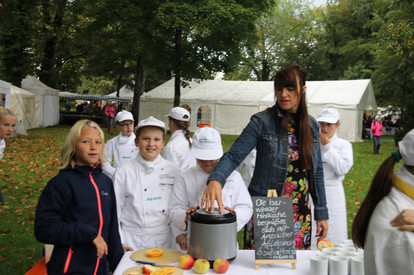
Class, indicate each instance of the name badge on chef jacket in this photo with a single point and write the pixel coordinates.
(166, 180)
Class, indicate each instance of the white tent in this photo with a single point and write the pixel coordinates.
(46, 101)
(124, 92)
(21, 103)
(228, 105)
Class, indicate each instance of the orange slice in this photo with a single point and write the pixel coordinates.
(158, 272)
(168, 270)
(155, 252)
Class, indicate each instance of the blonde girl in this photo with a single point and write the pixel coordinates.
(77, 211)
(7, 125)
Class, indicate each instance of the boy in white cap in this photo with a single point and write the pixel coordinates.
(122, 147)
(388, 249)
(142, 188)
(337, 158)
(189, 186)
(178, 147)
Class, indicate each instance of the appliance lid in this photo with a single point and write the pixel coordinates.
(201, 216)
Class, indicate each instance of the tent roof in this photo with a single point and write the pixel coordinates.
(346, 94)
(34, 85)
(73, 96)
(124, 92)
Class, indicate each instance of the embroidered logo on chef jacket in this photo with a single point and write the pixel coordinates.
(166, 180)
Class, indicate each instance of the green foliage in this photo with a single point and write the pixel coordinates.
(95, 85)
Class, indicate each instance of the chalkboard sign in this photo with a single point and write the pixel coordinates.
(274, 237)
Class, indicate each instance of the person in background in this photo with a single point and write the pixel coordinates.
(367, 125)
(376, 127)
(189, 185)
(178, 147)
(76, 211)
(246, 168)
(337, 158)
(110, 111)
(288, 156)
(143, 187)
(387, 249)
(122, 147)
(7, 126)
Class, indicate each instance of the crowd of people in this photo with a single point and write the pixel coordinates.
(137, 192)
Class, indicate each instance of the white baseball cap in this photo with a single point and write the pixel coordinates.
(207, 144)
(151, 121)
(406, 148)
(123, 115)
(376, 117)
(329, 115)
(179, 113)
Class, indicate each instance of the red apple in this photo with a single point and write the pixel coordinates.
(201, 266)
(221, 265)
(186, 262)
(147, 269)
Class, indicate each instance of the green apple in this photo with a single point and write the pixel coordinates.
(201, 266)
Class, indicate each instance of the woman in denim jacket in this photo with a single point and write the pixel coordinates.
(288, 156)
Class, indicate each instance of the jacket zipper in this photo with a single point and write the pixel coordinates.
(67, 262)
(98, 197)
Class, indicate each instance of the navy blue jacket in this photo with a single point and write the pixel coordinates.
(75, 206)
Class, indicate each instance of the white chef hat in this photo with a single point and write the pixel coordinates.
(207, 144)
(329, 115)
(406, 148)
(151, 121)
(179, 113)
(123, 115)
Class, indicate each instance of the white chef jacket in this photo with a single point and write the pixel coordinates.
(246, 168)
(337, 158)
(388, 250)
(119, 149)
(2, 146)
(142, 191)
(189, 188)
(178, 151)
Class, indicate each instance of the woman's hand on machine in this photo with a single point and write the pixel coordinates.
(212, 194)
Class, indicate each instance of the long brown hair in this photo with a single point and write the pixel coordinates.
(295, 76)
(380, 187)
(183, 125)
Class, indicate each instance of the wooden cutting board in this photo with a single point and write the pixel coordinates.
(169, 256)
(139, 269)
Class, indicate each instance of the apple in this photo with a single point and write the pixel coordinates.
(201, 266)
(221, 265)
(147, 269)
(323, 243)
(186, 262)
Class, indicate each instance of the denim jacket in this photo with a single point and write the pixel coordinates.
(266, 133)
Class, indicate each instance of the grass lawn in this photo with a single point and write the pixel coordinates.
(31, 161)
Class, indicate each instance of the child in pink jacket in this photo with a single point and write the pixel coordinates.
(376, 128)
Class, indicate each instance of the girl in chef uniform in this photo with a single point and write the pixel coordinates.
(178, 147)
(142, 187)
(387, 249)
(189, 186)
(337, 158)
(122, 147)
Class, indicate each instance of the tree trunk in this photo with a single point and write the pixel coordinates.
(177, 69)
(139, 87)
(47, 72)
